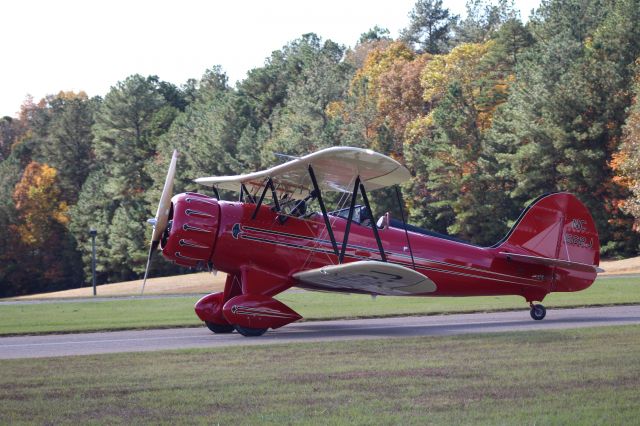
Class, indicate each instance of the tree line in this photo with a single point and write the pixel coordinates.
(487, 112)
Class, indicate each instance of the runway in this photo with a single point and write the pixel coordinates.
(316, 331)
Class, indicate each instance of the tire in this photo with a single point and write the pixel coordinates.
(538, 312)
(219, 328)
(250, 332)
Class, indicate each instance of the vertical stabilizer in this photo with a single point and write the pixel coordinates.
(555, 226)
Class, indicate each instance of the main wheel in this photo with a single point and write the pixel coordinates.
(538, 312)
(219, 328)
(250, 332)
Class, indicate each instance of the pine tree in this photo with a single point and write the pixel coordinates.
(68, 146)
(94, 210)
(483, 19)
(562, 123)
(454, 190)
(303, 124)
(128, 125)
(430, 27)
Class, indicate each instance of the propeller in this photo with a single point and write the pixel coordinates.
(162, 214)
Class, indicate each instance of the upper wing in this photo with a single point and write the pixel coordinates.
(368, 276)
(335, 170)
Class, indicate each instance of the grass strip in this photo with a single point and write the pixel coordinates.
(581, 376)
(175, 312)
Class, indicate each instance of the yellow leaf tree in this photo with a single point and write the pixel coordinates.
(444, 147)
(626, 162)
(362, 109)
(36, 197)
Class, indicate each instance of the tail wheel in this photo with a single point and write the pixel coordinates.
(219, 328)
(538, 312)
(250, 332)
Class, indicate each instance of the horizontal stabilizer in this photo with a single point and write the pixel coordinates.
(550, 262)
(370, 277)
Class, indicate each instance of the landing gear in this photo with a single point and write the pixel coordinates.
(219, 328)
(227, 328)
(537, 312)
(250, 332)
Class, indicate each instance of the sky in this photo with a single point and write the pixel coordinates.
(49, 46)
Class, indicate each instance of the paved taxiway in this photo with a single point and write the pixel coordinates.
(316, 331)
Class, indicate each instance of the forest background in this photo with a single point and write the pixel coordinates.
(488, 113)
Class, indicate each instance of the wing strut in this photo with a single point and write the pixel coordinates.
(404, 224)
(264, 192)
(318, 194)
(352, 207)
(273, 194)
(268, 185)
(360, 187)
(374, 226)
(243, 190)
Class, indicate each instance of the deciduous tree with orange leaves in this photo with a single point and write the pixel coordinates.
(43, 256)
(626, 162)
(452, 189)
(37, 200)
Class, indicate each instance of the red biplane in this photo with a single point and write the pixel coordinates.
(269, 241)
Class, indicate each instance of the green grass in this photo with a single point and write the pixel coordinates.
(581, 376)
(178, 311)
(53, 317)
(607, 291)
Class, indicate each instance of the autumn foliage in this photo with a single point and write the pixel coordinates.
(37, 199)
(486, 111)
(626, 162)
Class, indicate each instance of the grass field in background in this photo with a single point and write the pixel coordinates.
(178, 311)
(581, 376)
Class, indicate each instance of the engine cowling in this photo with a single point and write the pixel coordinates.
(192, 231)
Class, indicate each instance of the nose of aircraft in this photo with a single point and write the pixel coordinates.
(191, 232)
(185, 226)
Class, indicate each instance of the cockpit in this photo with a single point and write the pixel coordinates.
(360, 215)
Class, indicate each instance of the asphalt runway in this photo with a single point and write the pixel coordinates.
(313, 331)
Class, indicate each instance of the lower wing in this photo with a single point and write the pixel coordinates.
(368, 276)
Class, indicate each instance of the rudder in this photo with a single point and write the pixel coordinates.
(555, 226)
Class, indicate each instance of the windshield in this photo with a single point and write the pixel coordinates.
(360, 215)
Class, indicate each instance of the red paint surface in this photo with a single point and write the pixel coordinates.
(260, 255)
(209, 308)
(256, 311)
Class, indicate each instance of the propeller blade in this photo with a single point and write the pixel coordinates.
(152, 249)
(162, 214)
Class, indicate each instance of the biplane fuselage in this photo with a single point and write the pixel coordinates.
(457, 269)
(552, 247)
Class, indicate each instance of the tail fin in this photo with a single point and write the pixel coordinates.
(556, 227)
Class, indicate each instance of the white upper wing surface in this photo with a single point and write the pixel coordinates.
(335, 169)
